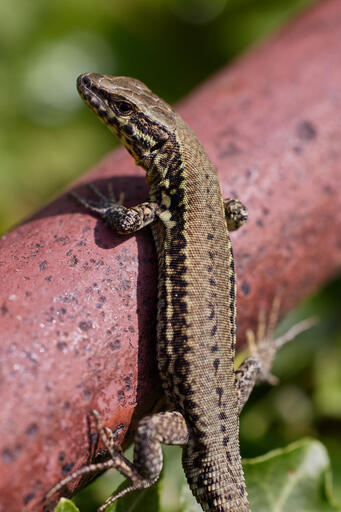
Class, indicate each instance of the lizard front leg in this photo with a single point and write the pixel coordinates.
(121, 219)
(164, 427)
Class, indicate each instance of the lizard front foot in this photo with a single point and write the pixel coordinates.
(103, 203)
(119, 218)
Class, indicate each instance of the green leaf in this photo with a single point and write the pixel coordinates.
(65, 505)
(143, 499)
(293, 478)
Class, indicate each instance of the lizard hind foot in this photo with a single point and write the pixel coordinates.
(90, 469)
(117, 461)
(99, 468)
(263, 347)
(119, 495)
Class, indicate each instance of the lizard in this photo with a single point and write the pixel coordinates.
(196, 317)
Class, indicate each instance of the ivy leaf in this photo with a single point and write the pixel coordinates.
(293, 478)
(65, 505)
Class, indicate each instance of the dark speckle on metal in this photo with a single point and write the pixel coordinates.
(306, 130)
(66, 468)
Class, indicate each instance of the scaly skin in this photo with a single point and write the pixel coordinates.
(196, 331)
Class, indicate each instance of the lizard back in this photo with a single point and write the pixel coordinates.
(196, 319)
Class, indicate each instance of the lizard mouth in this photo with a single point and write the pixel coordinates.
(89, 93)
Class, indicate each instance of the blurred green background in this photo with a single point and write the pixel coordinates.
(48, 138)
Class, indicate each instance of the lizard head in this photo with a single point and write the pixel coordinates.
(142, 121)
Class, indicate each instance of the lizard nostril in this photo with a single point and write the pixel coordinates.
(83, 80)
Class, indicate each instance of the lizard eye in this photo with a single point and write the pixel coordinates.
(124, 107)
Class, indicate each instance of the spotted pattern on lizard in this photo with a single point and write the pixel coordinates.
(196, 321)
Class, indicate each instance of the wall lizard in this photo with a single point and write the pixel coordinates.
(196, 320)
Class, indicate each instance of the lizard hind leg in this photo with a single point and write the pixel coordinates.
(117, 460)
(165, 427)
(263, 348)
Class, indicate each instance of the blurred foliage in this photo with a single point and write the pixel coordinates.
(292, 478)
(48, 138)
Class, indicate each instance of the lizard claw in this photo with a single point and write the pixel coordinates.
(103, 202)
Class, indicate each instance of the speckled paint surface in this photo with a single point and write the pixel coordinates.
(78, 303)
